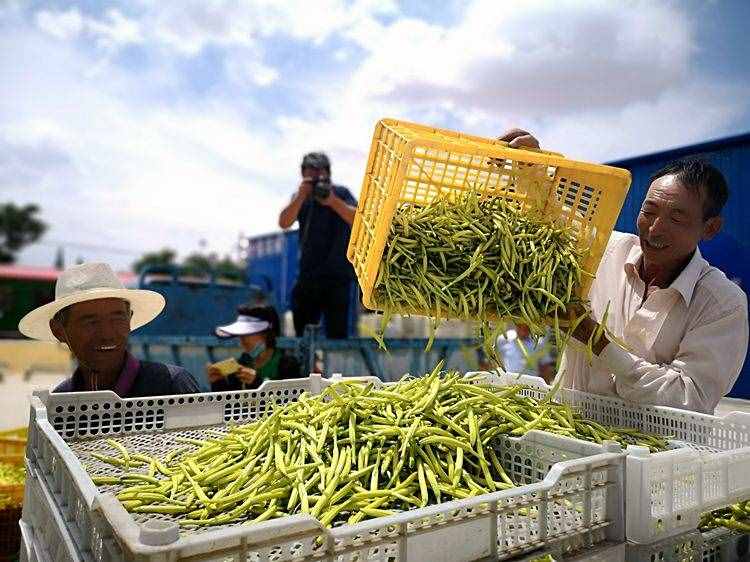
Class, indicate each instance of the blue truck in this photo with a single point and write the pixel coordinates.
(195, 306)
(183, 333)
(272, 266)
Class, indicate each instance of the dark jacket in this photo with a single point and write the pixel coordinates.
(323, 241)
(152, 379)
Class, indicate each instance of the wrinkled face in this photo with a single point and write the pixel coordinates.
(671, 222)
(249, 342)
(97, 333)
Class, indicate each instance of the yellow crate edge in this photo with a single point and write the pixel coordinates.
(497, 149)
(541, 156)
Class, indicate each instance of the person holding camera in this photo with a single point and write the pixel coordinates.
(325, 213)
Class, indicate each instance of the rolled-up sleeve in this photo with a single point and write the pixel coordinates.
(708, 362)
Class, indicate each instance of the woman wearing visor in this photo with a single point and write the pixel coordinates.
(257, 328)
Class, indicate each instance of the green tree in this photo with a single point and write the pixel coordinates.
(228, 269)
(19, 227)
(198, 264)
(164, 258)
(204, 265)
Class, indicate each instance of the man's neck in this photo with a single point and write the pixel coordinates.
(99, 380)
(661, 276)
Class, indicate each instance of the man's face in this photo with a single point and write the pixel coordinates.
(97, 333)
(671, 222)
(313, 173)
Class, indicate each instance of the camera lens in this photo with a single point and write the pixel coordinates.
(322, 187)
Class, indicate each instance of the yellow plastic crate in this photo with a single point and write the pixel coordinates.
(11, 502)
(20, 432)
(11, 495)
(411, 163)
(12, 445)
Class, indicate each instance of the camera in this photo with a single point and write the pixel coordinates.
(321, 187)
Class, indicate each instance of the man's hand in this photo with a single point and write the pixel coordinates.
(305, 189)
(246, 375)
(340, 207)
(331, 201)
(518, 138)
(586, 329)
(289, 214)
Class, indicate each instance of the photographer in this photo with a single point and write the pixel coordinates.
(325, 213)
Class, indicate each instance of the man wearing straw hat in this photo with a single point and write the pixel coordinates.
(93, 313)
(683, 324)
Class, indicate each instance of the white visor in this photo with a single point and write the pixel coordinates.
(243, 326)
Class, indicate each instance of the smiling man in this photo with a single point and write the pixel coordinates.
(683, 323)
(93, 314)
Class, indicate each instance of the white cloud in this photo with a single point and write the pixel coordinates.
(115, 29)
(62, 25)
(643, 128)
(592, 79)
(534, 57)
(612, 69)
(245, 66)
(189, 26)
(341, 55)
(112, 31)
(135, 177)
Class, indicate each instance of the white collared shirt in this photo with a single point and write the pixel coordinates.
(686, 343)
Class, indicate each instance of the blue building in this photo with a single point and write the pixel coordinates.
(730, 250)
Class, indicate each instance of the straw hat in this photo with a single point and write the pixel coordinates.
(86, 282)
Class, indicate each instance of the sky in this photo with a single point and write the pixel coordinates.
(144, 124)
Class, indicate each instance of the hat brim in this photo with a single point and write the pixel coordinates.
(241, 329)
(145, 305)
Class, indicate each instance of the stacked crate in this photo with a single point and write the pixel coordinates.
(569, 496)
(665, 493)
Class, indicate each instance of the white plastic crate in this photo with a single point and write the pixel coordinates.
(45, 537)
(604, 552)
(572, 497)
(717, 545)
(667, 492)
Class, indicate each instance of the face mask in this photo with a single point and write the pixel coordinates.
(257, 349)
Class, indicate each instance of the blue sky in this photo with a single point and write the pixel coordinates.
(139, 125)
